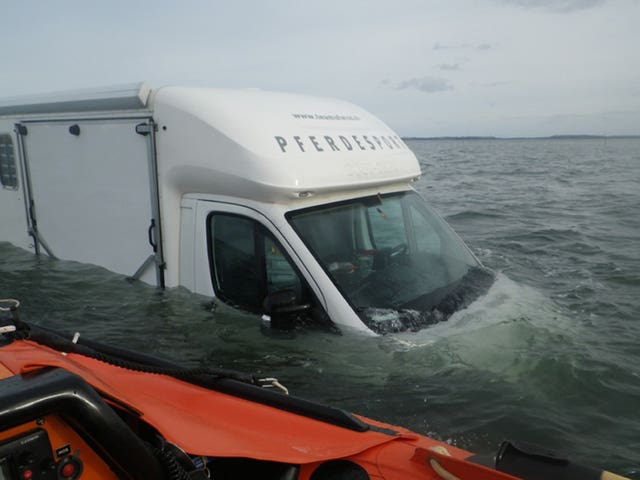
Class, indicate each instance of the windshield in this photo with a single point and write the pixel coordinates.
(391, 253)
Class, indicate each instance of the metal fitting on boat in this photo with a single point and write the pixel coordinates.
(10, 305)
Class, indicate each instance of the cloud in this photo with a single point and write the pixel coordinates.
(465, 46)
(498, 83)
(425, 84)
(449, 66)
(440, 46)
(557, 6)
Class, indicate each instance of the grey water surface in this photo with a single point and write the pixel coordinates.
(549, 356)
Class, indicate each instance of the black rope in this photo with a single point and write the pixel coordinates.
(62, 344)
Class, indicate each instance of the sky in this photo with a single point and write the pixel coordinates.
(506, 68)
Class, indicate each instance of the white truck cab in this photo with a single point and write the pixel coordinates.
(273, 203)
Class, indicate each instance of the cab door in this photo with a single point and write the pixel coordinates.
(240, 257)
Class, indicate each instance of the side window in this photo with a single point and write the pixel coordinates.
(247, 263)
(236, 274)
(8, 170)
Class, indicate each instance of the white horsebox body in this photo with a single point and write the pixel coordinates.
(161, 184)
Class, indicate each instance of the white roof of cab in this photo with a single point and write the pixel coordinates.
(269, 144)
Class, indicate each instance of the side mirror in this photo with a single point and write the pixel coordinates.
(281, 309)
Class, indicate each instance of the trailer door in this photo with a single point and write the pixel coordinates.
(93, 195)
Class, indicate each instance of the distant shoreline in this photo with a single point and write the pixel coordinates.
(551, 137)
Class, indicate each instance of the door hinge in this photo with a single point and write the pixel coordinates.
(146, 128)
(21, 129)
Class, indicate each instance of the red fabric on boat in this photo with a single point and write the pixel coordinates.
(209, 423)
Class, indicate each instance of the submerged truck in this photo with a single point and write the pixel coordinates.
(280, 204)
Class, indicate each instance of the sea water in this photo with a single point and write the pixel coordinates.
(549, 356)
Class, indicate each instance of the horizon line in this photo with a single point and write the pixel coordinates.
(543, 137)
